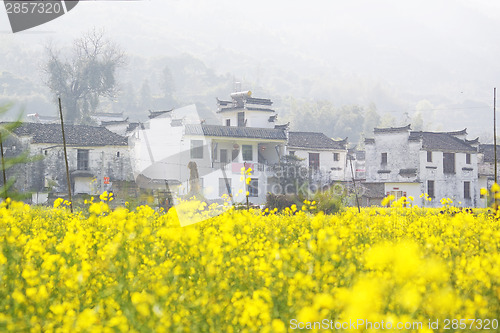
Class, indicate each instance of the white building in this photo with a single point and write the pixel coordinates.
(326, 158)
(171, 140)
(409, 163)
(98, 159)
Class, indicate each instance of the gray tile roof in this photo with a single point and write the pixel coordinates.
(259, 101)
(442, 142)
(461, 132)
(392, 129)
(314, 140)
(236, 132)
(132, 126)
(242, 109)
(369, 141)
(407, 171)
(76, 135)
(489, 152)
(114, 122)
(154, 114)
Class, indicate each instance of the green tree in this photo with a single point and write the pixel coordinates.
(167, 84)
(146, 98)
(87, 75)
(417, 122)
(371, 120)
(13, 159)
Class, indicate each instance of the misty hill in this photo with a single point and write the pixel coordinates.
(435, 60)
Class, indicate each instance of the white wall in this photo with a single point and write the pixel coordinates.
(258, 119)
(405, 154)
(329, 169)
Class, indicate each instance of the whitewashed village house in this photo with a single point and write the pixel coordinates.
(409, 163)
(247, 137)
(486, 167)
(325, 158)
(98, 159)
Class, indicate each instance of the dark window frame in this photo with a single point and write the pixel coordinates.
(429, 156)
(448, 162)
(467, 190)
(383, 157)
(214, 152)
(253, 188)
(223, 153)
(245, 151)
(228, 122)
(82, 159)
(336, 157)
(467, 158)
(241, 119)
(431, 188)
(314, 161)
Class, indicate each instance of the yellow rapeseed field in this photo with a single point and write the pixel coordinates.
(246, 271)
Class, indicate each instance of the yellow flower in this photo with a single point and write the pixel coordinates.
(58, 202)
(484, 191)
(495, 188)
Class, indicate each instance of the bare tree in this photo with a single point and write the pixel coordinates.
(86, 75)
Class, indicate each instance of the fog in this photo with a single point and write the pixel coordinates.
(438, 58)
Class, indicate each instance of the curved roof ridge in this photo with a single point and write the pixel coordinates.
(392, 129)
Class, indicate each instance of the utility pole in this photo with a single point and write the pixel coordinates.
(3, 170)
(65, 157)
(354, 183)
(495, 130)
(495, 140)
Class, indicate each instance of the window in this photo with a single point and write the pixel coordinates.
(224, 186)
(235, 153)
(223, 155)
(292, 152)
(196, 148)
(384, 158)
(466, 190)
(45, 152)
(253, 188)
(430, 188)
(228, 122)
(397, 194)
(467, 158)
(241, 119)
(214, 150)
(247, 152)
(82, 159)
(449, 162)
(429, 156)
(117, 154)
(314, 161)
(336, 157)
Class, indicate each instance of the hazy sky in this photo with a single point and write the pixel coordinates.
(414, 49)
